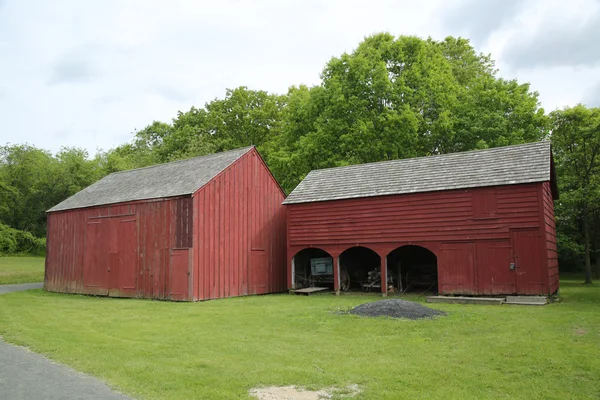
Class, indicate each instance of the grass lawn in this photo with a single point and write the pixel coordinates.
(220, 349)
(21, 270)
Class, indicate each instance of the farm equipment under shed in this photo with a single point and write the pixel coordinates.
(410, 268)
(321, 273)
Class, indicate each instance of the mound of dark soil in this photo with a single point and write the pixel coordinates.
(395, 308)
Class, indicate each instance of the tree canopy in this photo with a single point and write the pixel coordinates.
(33, 180)
(576, 141)
(390, 98)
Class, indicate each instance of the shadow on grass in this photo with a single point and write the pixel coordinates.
(579, 284)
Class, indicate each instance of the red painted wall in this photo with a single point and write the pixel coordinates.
(240, 246)
(475, 234)
(228, 239)
(122, 250)
(550, 235)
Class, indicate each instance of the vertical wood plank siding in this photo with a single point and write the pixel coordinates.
(118, 250)
(468, 230)
(184, 228)
(240, 225)
(228, 239)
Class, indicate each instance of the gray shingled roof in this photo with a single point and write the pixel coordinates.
(164, 180)
(508, 165)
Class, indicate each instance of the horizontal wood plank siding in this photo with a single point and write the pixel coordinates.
(550, 236)
(437, 216)
(469, 230)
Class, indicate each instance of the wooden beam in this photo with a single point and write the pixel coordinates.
(336, 275)
(383, 266)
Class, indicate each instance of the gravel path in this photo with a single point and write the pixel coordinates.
(27, 375)
(18, 288)
(395, 308)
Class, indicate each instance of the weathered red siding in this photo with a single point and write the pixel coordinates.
(550, 235)
(475, 234)
(227, 239)
(122, 250)
(240, 246)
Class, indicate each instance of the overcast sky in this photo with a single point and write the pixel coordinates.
(87, 73)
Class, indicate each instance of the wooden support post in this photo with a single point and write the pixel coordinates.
(293, 273)
(336, 274)
(383, 263)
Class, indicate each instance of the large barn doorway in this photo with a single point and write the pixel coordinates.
(362, 266)
(413, 268)
(312, 267)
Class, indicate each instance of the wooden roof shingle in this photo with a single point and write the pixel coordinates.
(176, 178)
(508, 165)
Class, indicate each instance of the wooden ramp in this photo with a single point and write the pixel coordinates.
(527, 300)
(309, 290)
(520, 300)
(466, 300)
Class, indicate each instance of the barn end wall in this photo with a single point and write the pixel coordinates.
(240, 244)
(550, 236)
(476, 234)
(123, 250)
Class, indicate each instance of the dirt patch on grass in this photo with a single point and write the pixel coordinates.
(294, 393)
(396, 308)
(580, 331)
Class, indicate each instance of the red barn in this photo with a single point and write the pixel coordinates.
(473, 223)
(203, 228)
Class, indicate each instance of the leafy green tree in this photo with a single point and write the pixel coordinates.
(402, 97)
(596, 240)
(75, 172)
(191, 136)
(33, 180)
(244, 117)
(285, 153)
(490, 111)
(126, 156)
(28, 172)
(576, 143)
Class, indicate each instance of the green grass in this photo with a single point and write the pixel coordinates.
(21, 270)
(220, 349)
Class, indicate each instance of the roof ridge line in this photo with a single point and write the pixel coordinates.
(248, 148)
(435, 155)
(504, 165)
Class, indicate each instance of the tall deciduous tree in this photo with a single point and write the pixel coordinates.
(27, 174)
(576, 141)
(243, 118)
(402, 97)
(33, 180)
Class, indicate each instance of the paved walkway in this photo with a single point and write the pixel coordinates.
(21, 287)
(25, 375)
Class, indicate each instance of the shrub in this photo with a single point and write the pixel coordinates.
(14, 241)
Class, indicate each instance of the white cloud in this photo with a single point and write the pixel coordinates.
(565, 35)
(592, 96)
(477, 19)
(88, 73)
